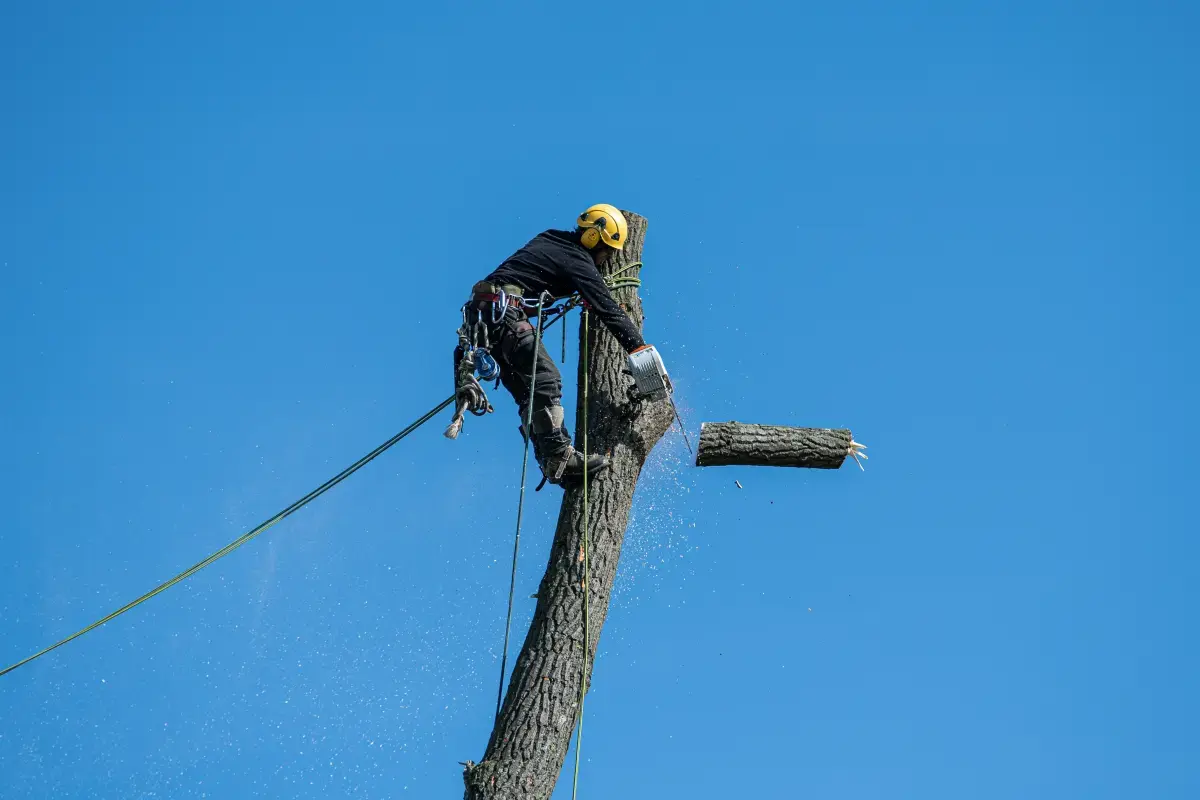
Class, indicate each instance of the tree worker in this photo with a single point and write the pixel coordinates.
(553, 265)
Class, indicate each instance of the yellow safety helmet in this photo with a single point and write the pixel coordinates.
(603, 223)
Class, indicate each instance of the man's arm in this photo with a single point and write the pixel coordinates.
(592, 289)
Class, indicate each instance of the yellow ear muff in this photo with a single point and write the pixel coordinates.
(590, 238)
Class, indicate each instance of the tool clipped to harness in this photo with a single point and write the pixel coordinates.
(650, 377)
(468, 393)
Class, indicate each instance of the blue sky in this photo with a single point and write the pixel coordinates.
(234, 243)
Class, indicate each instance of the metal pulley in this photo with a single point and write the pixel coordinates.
(486, 366)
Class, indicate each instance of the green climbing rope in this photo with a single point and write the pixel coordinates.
(587, 587)
(611, 280)
(229, 548)
(528, 432)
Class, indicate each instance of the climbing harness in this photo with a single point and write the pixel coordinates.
(229, 548)
(472, 355)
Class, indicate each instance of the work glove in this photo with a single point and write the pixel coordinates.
(650, 376)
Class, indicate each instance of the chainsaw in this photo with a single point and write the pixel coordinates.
(652, 382)
(650, 377)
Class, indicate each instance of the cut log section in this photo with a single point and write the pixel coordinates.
(747, 444)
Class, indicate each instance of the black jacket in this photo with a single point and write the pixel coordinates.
(555, 262)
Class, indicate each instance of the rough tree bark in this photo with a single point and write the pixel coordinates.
(745, 444)
(533, 732)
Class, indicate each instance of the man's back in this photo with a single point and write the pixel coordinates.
(554, 261)
(550, 262)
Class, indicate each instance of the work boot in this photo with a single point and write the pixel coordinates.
(560, 462)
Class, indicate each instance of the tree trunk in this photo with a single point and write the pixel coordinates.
(738, 443)
(533, 732)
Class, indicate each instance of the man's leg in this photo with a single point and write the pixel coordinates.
(551, 440)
